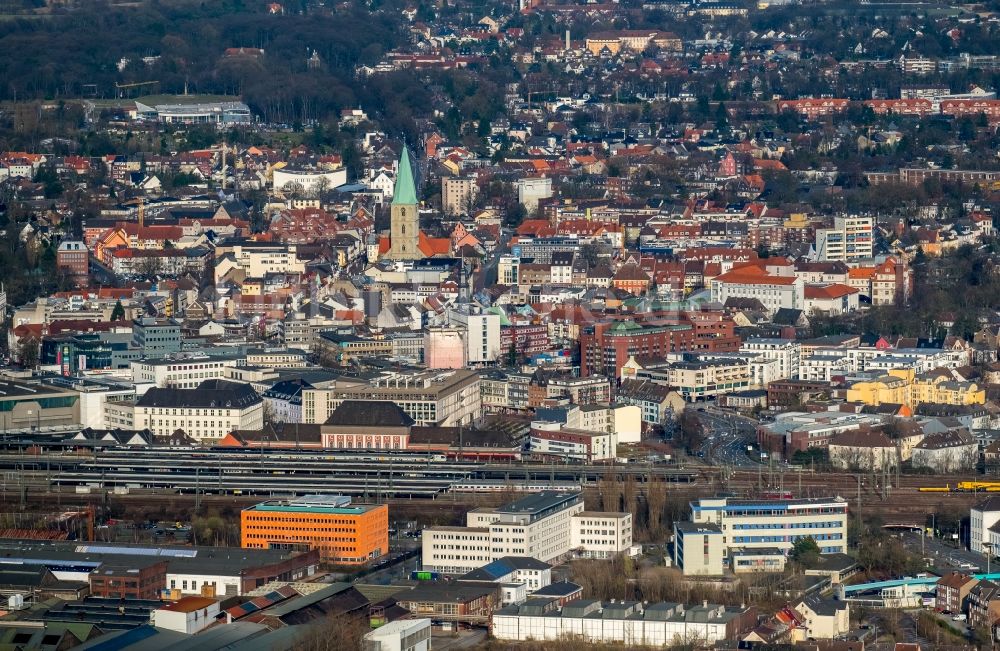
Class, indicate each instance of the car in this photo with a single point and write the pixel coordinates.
(960, 617)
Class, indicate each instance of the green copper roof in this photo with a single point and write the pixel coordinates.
(405, 193)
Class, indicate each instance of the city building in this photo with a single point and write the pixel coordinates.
(905, 387)
(182, 371)
(469, 602)
(191, 570)
(206, 413)
(984, 604)
(606, 347)
(187, 615)
(767, 523)
(849, 239)
(529, 573)
(458, 194)
(156, 337)
(952, 592)
(553, 440)
(217, 113)
(632, 623)
(531, 190)
(367, 425)
(256, 259)
(343, 533)
(298, 183)
(699, 548)
(443, 398)
(705, 379)
(825, 619)
(138, 579)
(982, 518)
(746, 561)
(29, 404)
(540, 526)
(481, 333)
(754, 282)
(444, 347)
(73, 261)
(400, 635)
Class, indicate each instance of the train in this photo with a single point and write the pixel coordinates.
(964, 487)
(472, 486)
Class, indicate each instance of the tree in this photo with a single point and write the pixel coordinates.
(293, 190)
(149, 267)
(118, 314)
(805, 552)
(689, 434)
(27, 352)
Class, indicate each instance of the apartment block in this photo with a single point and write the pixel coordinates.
(849, 239)
(457, 195)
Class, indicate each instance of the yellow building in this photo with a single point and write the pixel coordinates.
(903, 387)
(942, 390)
(893, 389)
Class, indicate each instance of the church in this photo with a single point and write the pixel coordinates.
(406, 241)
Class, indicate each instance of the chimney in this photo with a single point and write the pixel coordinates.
(567, 39)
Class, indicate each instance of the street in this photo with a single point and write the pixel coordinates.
(727, 436)
(946, 555)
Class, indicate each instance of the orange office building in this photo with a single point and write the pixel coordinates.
(343, 533)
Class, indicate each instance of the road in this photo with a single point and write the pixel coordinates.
(947, 555)
(488, 273)
(727, 436)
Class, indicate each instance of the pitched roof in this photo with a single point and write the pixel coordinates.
(754, 275)
(210, 393)
(405, 192)
(369, 413)
(831, 291)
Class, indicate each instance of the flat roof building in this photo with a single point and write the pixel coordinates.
(757, 524)
(343, 533)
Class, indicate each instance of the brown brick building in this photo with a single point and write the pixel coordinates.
(135, 580)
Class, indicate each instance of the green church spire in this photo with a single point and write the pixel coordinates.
(405, 192)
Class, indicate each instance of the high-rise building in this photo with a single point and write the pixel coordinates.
(849, 239)
(457, 195)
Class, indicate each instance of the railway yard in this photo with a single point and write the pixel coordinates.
(229, 477)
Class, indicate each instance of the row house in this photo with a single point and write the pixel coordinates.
(972, 108)
(814, 108)
(919, 106)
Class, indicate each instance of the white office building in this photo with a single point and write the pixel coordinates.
(182, 372)
(400, 635)
(207, 413)
(763, 523)
(539, 526)
(601, 534)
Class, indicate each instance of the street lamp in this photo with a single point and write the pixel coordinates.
(989, 552)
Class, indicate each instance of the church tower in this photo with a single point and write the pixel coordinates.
(404, 229)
